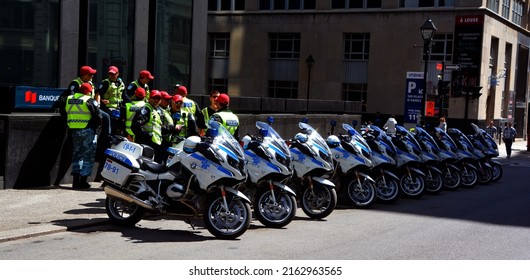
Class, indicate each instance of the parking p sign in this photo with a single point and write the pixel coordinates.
(413, 96)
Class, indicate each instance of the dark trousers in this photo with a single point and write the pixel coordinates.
(508, 142)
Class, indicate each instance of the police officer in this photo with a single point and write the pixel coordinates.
(190, 107)
(224, 116)
(110, 91)
(167, 121)
(130, 111)
(147, 125)
(207, 112)
(83, 118)
(142, 82)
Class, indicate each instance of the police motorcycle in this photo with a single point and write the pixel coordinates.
(408, 158)
(268, 163)
(383, 160)
(430, 154)
(446, 157)
(482, 139)
(197, 182)
(351, 156)
(477, 159)
(311, 162)
(465, 157)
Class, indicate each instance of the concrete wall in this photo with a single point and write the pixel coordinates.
(31, 144)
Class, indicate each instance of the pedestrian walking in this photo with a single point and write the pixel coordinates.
(225, 116)
(390, 125)
(491, 129)
(144, 77)
(191, 107)
(508, 136)
(83, 118)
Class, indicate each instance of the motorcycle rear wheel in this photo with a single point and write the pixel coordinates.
(274, 215)
(318, 202)
(123, 213)
(227, 223)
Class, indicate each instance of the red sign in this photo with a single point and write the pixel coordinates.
(469, 20)
(429, 108)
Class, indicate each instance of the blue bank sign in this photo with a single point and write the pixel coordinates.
(36, 97)
(413, 96)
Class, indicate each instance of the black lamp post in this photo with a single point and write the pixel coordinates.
(427, 33)
(309, 62)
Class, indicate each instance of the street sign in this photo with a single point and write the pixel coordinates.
(454, 67)
(429, 108)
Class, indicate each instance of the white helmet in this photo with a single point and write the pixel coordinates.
(245, 140)
(190, 144)
(333, 141)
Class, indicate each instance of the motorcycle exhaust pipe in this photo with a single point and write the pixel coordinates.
(126, 197)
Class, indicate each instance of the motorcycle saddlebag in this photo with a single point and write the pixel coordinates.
(118, 166)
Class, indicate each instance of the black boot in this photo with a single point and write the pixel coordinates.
(75, 182)
(83, 184)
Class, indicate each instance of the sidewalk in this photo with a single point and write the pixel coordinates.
(37, 211)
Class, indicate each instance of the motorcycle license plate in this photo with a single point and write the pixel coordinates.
(115, 172)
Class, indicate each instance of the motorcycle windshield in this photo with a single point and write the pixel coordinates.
(409, 137)
(357, 136)
(225, 139)
(461, 137)
(423, 135)
(446, 139)
(273, 138)
(313, 135)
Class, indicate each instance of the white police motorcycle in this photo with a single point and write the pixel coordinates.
(197, 182)
(268, 164)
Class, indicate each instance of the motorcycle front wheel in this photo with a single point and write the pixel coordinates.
(361, 194)
(227, 223)
(387, 189)
(123, 213)
(468, 177)
(412, 185)
(451, 178)
(319, 201)
(497, 172)
(485, 175)
(433, 182)
(277, 211)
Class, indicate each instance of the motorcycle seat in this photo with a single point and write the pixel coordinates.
(154, 167)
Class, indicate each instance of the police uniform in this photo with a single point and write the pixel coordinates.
(83, 118)
(147, 129)
(224, 116)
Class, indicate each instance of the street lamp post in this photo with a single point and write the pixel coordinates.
(427, 33)
(309, 62)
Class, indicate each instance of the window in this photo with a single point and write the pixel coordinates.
(220, 45)
(287, 4)
(226, 5)
(218, 84)
(283, 89)
(442, 47)
(426, 3)
(506, 8)
(29, 43)
(355, 4)
(284, 45)
(356, 46)
(355, 92)
(517, 12)
(493, 5)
